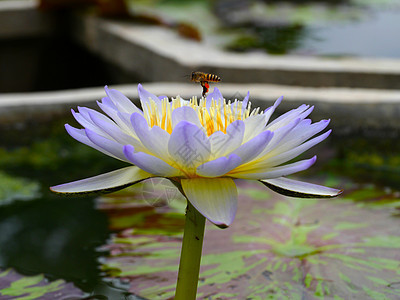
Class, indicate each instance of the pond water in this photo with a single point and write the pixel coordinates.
(319, 28)
(110, 245)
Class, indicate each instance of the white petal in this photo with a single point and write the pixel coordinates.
(276, 171)
(215, 198)
(294, 188)
(107, 182)
(150, 163)
(254, 125)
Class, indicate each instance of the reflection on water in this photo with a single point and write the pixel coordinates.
(324, 28)
(55, 236)
(374, 35)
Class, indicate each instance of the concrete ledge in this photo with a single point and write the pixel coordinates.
(352, 111)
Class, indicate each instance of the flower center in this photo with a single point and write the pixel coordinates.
(213, 117)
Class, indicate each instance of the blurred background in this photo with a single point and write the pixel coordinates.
(343, 56)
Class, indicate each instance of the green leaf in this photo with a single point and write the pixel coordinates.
(21, 287)
(13, 188)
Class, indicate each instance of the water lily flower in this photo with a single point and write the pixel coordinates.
(201, 145)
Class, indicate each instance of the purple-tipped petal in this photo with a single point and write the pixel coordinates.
(299, 189)
(88, 113)
(104, 183)
(146, 97)
(215, 198)
(279, 136)
(80, 136)
(188, 145)
(294, 152)
(222, 144)
(254, 125)
(185, 113)
(216, 96)
(235, 133)
(121, 101)
(107, 101)
(276, 171)
(287, 117)
(270, 110)
(254, 147)
(149, 163)
(305, 114)
(302, 132)
(115, 132)
(115, 115)
(154, 139)
(219, 166)
(110, 146)
(245, 101)
(86, 122)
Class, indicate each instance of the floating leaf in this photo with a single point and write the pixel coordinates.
(279, 248)
(13, 188)
(154, 206)
(16, 286)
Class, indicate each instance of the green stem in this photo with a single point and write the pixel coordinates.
(189, 266)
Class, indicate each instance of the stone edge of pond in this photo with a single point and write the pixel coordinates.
(169, 57)
(352, 111)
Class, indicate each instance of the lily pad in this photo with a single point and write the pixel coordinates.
(13, 188)
(154, 206)
(16, 286)
(280, 248)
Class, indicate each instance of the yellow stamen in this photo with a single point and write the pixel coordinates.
(216, 118)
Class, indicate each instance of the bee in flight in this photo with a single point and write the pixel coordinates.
(204, 79)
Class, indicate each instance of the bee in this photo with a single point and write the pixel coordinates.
(204, 79)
